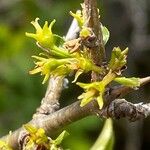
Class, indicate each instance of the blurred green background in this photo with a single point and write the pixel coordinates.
(20, 93)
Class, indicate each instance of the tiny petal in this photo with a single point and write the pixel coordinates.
(78, 73)
(34, 71)
(78, 17)
(87, 97)
(51, 25)
(39, 58)
(85, 101)
(36, 25)
(32, 35)
(45, 28)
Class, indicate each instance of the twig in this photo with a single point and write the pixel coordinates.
(118, 92)
(94, 43)
(50, 103)
(120, 108)
(51, 123)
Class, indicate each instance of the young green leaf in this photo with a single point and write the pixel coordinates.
(106, 34)
(131, 82)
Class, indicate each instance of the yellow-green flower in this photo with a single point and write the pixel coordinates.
(46, 39)
(44, 36)
(38, 137)
(59, 67)
(4, 146)
(46, 66)
(85, 32)
(52, 66)
(93, 91)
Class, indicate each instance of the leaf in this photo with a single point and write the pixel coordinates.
(106, 34)
(111, 143)
(59, 139)
(131, 82)
(105, 138)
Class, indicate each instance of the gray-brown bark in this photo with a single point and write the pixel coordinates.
(95, 42)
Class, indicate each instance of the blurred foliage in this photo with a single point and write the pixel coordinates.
(105, 141)
(20, 93)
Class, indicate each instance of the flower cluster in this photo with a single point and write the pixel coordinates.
(62, 67)
(47, 40)
(37, 137)
(59, 61)
(96, 90)
(61, 58)
(4, 146)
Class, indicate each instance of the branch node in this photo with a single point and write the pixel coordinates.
(120, 108)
